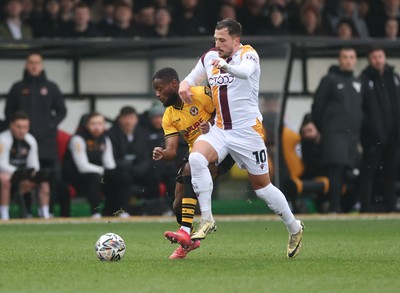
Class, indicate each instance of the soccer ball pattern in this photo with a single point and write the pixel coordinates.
(110, 247)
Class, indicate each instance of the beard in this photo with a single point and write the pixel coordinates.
(172, 98)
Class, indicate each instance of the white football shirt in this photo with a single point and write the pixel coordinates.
(234, 91)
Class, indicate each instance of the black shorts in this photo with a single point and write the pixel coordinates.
(223, 167)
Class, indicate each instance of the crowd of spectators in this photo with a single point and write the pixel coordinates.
(110, 165)
(26, 19)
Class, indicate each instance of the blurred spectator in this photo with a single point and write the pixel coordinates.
(19, 162)
(106, 22)
(381, 12)
(123, 25)
(162, 28)
(97, 9)
(380, 130)
(145, 20)
(227, 10)
(89, 161)
(348, 11)
(188, 19)
(13, 28)
(310, 22)
(345, 30)
(363, 9)
(337, 114)
(164, 172)
(81, 26)
(392, 28)
(253, 16)
(26, 10)
(131, 151)
(277, 24)
(51, 24)
(67, 10)
(311, 151)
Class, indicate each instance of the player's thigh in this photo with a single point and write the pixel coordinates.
(248, 149)
(211, 145)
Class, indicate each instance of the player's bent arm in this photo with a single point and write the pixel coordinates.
(197, 75)
(242, 70)
(78, 150)
(108, 156)
(170, 151)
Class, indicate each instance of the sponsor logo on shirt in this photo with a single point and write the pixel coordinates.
(221, 79)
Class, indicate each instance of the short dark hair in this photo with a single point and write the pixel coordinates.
(81, 5)
(127, 110)
(19, 114)
(346, 49)
(166, 74)
(234, 28)
(374, 49)
(34, 52)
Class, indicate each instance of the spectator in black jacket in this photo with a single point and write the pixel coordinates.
(81, 26)
(45, 105)
(123, 26)
(132, 154)
(337, 114)
(380, 129)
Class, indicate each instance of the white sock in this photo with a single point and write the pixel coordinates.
(277, 202)
(45, 212)
(186, 229)
(202, 184)
(4, 212)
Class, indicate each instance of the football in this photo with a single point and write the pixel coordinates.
(110, 247)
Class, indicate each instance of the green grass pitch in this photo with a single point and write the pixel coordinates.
(342, 255)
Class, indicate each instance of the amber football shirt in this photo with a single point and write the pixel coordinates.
(186, 119)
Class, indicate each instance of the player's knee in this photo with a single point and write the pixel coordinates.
(197, 161)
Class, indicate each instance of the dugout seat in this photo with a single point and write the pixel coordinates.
(295, 166)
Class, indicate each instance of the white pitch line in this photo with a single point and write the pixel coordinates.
(225, 218)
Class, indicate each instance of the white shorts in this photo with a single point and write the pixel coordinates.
(245, 145)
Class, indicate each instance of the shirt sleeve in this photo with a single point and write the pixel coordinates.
(168, 127)
(81, 160)
(108, 157)
(197, 75)
(32, 160)
(5, 147)
(246, 68)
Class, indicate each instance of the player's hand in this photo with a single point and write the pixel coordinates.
(204, 127)
(219, 63)
(184, 92)
(158, 153)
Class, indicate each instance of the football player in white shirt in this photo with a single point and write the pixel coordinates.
(233, 73)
